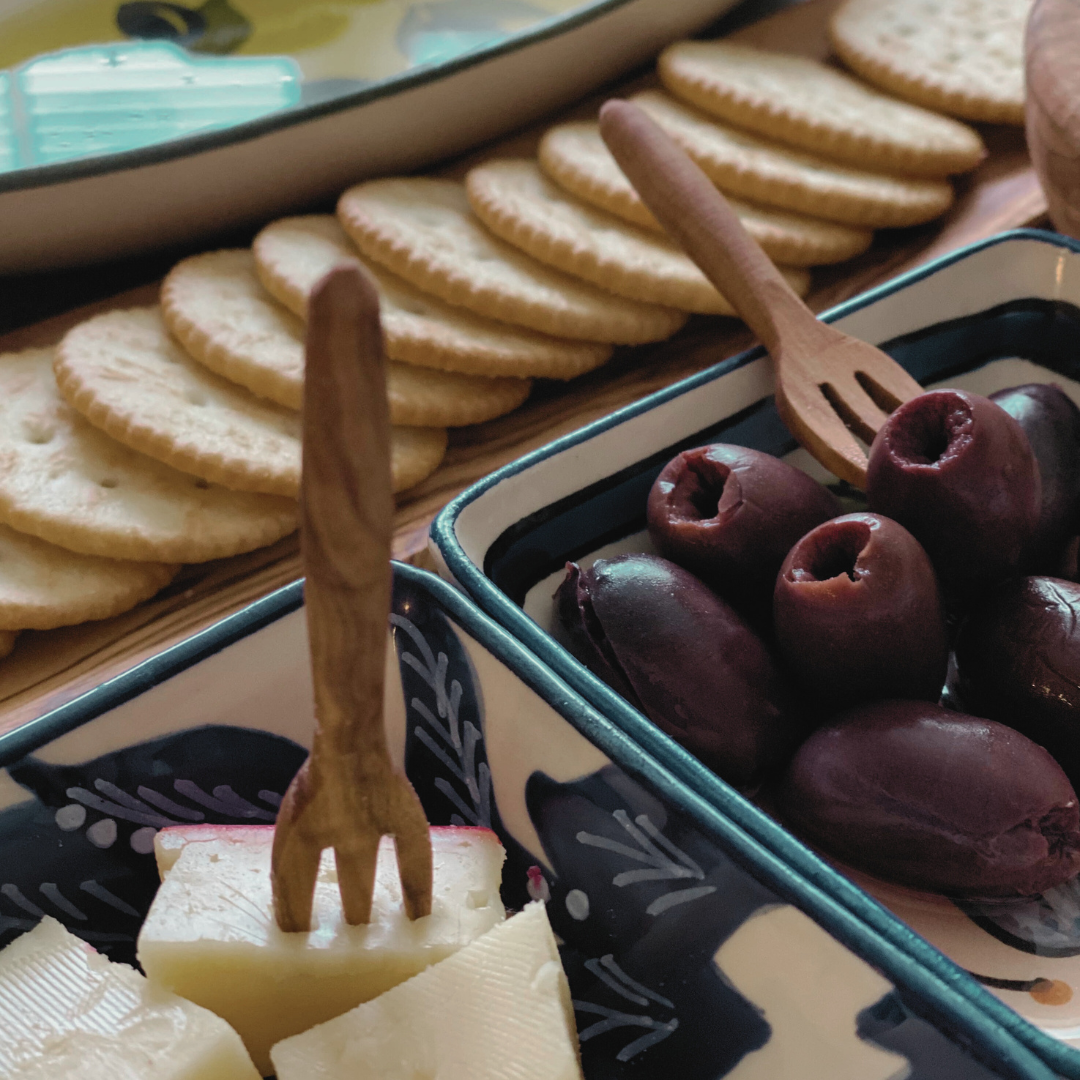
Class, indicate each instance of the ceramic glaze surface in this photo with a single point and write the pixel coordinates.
(681, 961)
(1003, 313)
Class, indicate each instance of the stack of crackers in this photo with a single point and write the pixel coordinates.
(170, 434)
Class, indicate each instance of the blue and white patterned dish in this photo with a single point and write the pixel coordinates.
(686, 952)
(999, 313)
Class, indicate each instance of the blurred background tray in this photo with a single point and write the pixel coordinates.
(49, 669)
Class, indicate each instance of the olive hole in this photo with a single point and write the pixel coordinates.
(704, 487)
(931, 428)
(831, 552)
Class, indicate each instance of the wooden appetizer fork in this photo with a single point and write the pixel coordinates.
(827, 382)
(347, 795)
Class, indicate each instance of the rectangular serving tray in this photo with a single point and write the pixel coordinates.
(692, 949)
(998, 313)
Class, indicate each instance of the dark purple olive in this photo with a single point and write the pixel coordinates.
(1018, 661)
(684, 658)
(729, 515)
(1051, 423)
(857, 613)
(936, 800)
(957, 471)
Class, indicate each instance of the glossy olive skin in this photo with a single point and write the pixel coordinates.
(857, 613)
(1051, 422)
(935, 800)
(957, 471)
(729, 515)
(684, 658)
(1018, 661)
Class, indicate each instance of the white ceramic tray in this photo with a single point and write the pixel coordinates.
(342, 131)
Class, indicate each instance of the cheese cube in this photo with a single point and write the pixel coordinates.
(210, 934)
(68, 1013)
(498, 1008)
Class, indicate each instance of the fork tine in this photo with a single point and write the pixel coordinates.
(356, 863)
(413, 843)
(294, 866)
(855, 407)
(810, 417)
(890, 377)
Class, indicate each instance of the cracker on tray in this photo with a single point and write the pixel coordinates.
(963, 57)
(575, 157)
(424, 231)
(292, 254)
(514, 198)
(805, 103)
(67, 482)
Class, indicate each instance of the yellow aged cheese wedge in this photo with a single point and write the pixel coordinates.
(68, 1013)
(210, 934)
(498, 1008)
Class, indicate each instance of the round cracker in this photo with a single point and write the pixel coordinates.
(517, 202)
(575, 157)
(964, 57)
(762, 171)
(805, 103)
(418, 396)
(63, 480)
(415, 453)
(424, 231)
(43, 586)
(292, 254)
(124, 373)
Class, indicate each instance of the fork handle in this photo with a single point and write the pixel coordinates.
(346, 517)
(700, 220)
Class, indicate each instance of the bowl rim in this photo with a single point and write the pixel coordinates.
(365, 93)
(680, 762)
(942, 992)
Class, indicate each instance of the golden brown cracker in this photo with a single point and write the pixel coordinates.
(575, 157)
(292, 254)
(67, 482)
(805, 103)
(415, 453)
(963, 57)
(764, 172)
(517, 202)
(126, 375)
(215, 307)
(43, 586)
(418, 396)
(424, 231)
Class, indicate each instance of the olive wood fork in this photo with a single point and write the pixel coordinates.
(828, 384)
(347, 795)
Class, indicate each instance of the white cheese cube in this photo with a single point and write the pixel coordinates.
(68, 1013)
(498, 1008)
(210, 934)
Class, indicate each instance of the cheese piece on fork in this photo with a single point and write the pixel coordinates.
(211, 937)
(498, 1008)
(68, 1013)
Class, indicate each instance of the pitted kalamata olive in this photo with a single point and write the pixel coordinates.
(934, 799)
(1018, 661)
(1051, 422)
(683, 657)
(957, 471)
(857, 613)
(729, 515)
